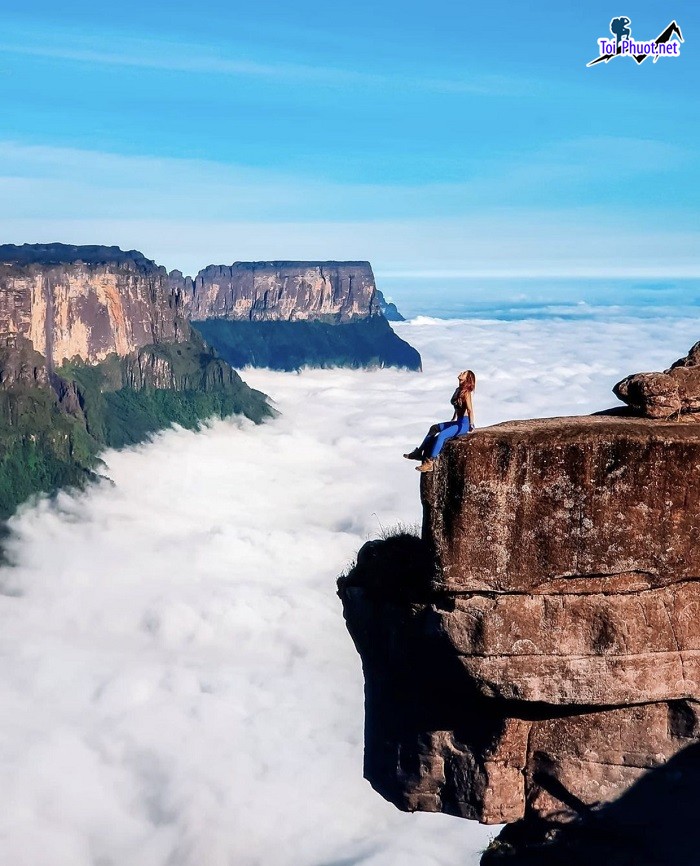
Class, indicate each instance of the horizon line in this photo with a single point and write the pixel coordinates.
(690, 273)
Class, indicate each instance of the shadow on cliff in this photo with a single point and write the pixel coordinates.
(397, 568)
(424, 719)
(655, 823)
(421, 708)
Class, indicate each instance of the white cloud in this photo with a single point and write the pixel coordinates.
(177, 683)
(187, 213)
(237, 59)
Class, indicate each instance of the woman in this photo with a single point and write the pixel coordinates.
(462, 422)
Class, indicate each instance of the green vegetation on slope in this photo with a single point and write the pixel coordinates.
(178, 383)
(41, 447)
(50, 436)
(133, 415)
(293, 345)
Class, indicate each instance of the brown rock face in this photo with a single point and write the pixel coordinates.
(661, 395)
(67, 307)
(538, 652)
(91, 302)
(577, 504)
(283, 291)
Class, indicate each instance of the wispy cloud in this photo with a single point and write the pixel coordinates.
(188, 212)
(230, 60)
(563, 270)
(69, 180)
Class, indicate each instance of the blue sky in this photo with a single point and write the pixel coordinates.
(428, 137)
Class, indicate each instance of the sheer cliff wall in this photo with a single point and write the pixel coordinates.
(90, 302)
(87, 302)
(281, 291)
(537, 652)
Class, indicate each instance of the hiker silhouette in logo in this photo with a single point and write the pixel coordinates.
(620, 27)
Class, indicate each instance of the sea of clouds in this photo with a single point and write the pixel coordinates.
(177, 685)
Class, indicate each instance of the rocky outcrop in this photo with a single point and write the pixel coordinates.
(154, 367)
(86, 302)
(537, 652)
(335, 292)
(20, 364)
(654, 823)
(676, 391)
(389, 309)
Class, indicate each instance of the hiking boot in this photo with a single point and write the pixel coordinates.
(414, 455)
(426, 466)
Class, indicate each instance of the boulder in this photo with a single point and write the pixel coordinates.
(662, 395)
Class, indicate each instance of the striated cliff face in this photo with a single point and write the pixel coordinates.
(87, 302)
(290, 315)
(281, 291)
(90, 302)
(538, 652)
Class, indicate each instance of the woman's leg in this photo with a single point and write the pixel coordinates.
(424, 446)
(464, 426)
(426, 442)
(448, 431)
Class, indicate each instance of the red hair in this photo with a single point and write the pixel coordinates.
(461, 399)
(467, 380)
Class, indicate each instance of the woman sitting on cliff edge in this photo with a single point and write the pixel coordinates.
(462, 422)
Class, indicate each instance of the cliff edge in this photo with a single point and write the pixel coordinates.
(537, 652)
(97, 348)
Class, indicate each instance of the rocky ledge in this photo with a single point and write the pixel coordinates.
(537, 652)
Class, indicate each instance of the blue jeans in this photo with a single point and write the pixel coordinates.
(432, 445)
